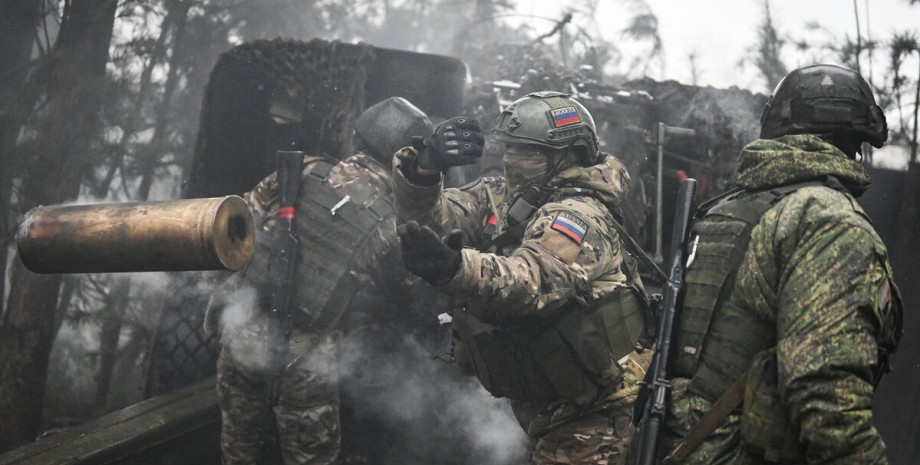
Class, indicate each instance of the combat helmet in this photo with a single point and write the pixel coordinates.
(824, 99)
(549, 119)
(388, 126)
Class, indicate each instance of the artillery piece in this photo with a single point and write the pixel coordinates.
(182, 235)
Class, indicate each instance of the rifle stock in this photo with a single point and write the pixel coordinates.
(657, 382)
(281, 274)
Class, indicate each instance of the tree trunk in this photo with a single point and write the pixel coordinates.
(130, 126)
(112, 321)
(18, 19)
(74, 93)
(25, 346)
(161, 129)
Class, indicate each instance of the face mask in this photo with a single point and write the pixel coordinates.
(523, 166)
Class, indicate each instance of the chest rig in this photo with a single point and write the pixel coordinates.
(332, 231)
(571, 355)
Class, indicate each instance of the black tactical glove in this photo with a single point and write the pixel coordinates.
(455, 142)
(427, 255)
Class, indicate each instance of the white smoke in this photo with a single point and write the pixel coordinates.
(239, 309)
(441, 416)
(243, 327)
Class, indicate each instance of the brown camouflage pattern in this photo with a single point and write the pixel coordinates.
(539, 275)
(546, 269)
(307, 414)
(816, 268)
(601, 435)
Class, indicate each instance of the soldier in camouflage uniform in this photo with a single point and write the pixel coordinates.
(349, 267)
(790, 307)
(551, 306)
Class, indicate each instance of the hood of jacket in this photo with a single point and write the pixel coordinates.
(607, 181)
(767, 163)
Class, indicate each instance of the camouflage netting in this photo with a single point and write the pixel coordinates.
(324, 79)
(321, 83)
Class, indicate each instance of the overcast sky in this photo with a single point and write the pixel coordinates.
(722, 32)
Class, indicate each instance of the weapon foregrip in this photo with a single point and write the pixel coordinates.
(289, 167)
(648, 441)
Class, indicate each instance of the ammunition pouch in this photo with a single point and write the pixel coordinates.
(766, 429)
(570, 358)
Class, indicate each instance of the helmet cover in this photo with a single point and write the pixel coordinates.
(824, 99)
(549, 119)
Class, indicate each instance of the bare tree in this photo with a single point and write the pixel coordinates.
(18, 26)
(76, 72)
(769, 45)
(904, 45)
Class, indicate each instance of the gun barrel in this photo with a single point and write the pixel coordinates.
(182, 235)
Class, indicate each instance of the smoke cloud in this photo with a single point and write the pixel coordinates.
(400, 405)
(432, 413)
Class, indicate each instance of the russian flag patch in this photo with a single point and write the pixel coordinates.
(565, 116)
(572, 226)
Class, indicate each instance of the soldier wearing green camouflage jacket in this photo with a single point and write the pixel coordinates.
(790, 295)
(349, 278)
(550, 304)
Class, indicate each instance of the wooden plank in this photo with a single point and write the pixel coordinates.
(180, 427)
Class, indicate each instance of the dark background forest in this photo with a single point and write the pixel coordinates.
(101, 100)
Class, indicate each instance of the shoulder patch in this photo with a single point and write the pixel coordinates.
(571, 226)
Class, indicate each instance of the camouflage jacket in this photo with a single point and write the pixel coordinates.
(816, 271)
(548, 267)
(381, 282)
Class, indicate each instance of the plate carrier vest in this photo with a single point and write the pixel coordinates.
(334, 233)
(718, 342)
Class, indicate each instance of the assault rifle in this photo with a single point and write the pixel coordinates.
(281, 270)
(655, 388)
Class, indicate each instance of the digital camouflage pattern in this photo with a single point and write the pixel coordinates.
(307, 414)
(816, 270)
(539, 275)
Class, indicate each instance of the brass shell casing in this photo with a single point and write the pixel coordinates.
(180, 235)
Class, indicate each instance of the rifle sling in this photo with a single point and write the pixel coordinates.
(633, 247)
(510, 236)
(714, 418)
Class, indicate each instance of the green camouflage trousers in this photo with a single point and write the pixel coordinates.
(600, 436)
(307, 414)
